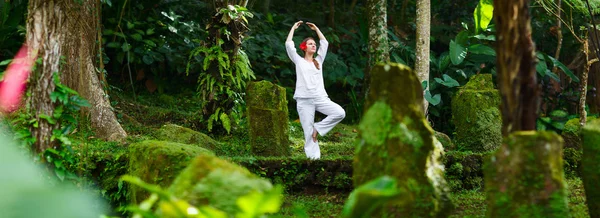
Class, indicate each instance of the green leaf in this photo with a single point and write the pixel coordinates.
(433, 100)
(226, 122)
(137, 36)
(150, 31)
(482, 49)
(552, 75)
(368, 197)
(48, 118)
(485, 37)
(148, 59)
(457, 53)
(126, 47)
(447, 81)
(60, 173)
(462, 38)
(113, 44)
(256, 204)
(130, 25)
(150, 43)
(483, 14)
(564, 68)
(5, 62)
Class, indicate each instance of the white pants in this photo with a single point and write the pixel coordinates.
(306, 110)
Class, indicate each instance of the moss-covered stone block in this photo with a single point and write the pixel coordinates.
(159, 162)
(476, 115)
(590, 167)
(396, 140)
(524, 178)
(209, 180)
(176, 133)
(571, 133)
(268, 119)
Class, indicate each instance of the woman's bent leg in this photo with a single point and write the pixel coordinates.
(306, 112)
(335, 113)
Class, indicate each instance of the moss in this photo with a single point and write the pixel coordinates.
(524, 178)
(476, 115)
(175, 133)
(590, 166)
(268, 118)
(480, 82)
(216, 182)
(572, 133)
(445, 140)
(159, 162)
(396, 140)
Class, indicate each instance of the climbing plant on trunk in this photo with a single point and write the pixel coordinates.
(225, 67)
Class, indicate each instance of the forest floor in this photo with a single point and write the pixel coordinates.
(147, 113)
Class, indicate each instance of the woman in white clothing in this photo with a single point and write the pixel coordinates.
(310, 94)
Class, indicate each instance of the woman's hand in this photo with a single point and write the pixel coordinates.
(296, 25)
(312, 26)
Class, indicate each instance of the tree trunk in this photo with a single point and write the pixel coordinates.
(516, 66)
(45, 22)
(423, 26)
(331, 18)
(379, 50)
(80, 72)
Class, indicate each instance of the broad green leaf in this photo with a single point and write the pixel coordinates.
(150, 31)
(150, 43)
(368, 197)
(113, 44)
(447, 81)
(433, 100)
(256, 204)
(553, 75)
(457, 53)
(482, 49)
(130, 25)
(126, 47)
(5, 62)
(483, 14)
(148, 59)
(137, 36)
(564, 68)
(462, 38)
(485, 37)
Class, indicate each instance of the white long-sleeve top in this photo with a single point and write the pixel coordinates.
(309, 79)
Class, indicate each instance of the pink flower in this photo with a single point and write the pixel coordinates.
(15, 77)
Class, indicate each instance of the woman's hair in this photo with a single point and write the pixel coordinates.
(314, 60)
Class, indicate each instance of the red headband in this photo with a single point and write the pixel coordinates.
(303, 46)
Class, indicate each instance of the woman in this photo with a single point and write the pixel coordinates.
(310, 94)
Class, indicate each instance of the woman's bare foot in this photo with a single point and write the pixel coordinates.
(314, 135)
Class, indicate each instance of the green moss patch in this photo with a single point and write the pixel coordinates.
(159, 162)
(216, 182)
(175, 133)
(590, 167)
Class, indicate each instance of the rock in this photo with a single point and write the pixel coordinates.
(590, 167)
(524, 178)
(445, 140)
(159, 162)
(396, 140)
(175, 133)
(476, 115)
(268, 119)
(209, 180)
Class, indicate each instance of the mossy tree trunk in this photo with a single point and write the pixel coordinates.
(516, 66)
(81, 72)
(422, 56)
(45, 23)
(379, 49)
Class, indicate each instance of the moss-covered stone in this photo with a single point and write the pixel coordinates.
(396, 140)
(175, 133)
(590, 167)
(209, 180)
(159, 162)
(476, 115)
(268, 118)
(464, 169)
(572, 133)
(445, 140)
(524, 178)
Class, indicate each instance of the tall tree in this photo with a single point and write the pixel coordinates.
(517, 79)
(423, 33)
(379, 49)
(45, 22)
(81, 71)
